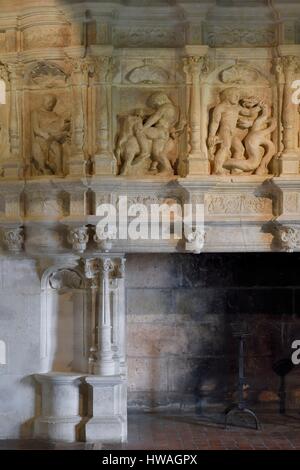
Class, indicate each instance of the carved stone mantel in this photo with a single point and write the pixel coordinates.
(222, 132)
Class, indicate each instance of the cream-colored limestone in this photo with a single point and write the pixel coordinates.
(62, 156)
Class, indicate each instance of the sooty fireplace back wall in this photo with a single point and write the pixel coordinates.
(179, 309)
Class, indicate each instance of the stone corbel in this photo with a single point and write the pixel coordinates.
(13, 239)
(195, 64)
(78, 237)
(104, 239)
(195, 240)
(285, 238)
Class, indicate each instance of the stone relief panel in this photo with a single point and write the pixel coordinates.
(240, 36)
(65, 279)
(48, 131)
(157, 68)
(241, 123)
(148, 36)
(237, 204)
(148, 74)
(39, 36)
(46, 74)
(147, 138)
(40, 203)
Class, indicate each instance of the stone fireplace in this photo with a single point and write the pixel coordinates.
(164, 103)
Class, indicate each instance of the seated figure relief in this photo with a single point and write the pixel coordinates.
(50, 136)
(147, 141)
(239, 134)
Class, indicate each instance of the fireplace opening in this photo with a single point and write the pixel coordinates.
(180, 346)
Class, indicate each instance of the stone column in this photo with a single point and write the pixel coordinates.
(105, 364)
(108, 384)
(13, 165)
(289, 161)
(198, 163)
(91, 270)
(79, 79)
(104, 162)
(119, 317)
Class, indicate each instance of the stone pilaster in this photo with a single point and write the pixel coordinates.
(13, 165)
(197, 163)
(79, 79)
(104, 161)
(289, 160)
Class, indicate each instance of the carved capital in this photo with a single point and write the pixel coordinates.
(91, 269)
(78, 237)
(13, 239)
(79, 70)
(4, 74)
(15, 74)
(289, 65)
(107, 266)
(193, 66)
(102, 68)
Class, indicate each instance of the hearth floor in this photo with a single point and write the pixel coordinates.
(190, 432)
(168, 431)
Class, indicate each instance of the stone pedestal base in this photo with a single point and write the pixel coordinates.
(57, 429)
(77, 167)
(289, 163)
(197, 165)
(60, 418)
(12, 168)
(105, 165)
(108, 409)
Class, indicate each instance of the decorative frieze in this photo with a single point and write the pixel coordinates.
(236, 204)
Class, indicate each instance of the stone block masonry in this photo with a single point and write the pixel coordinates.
(179, 310)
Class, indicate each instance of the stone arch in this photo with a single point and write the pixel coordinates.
(64, 320)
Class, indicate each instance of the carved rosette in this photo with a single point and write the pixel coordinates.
(78, 237)
(13, 239)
